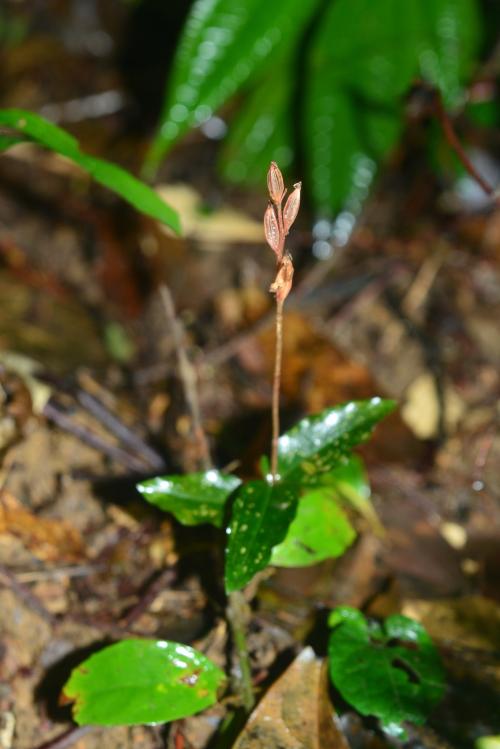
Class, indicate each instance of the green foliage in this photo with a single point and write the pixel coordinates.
(391, 670)
(315, 453)
(261, 515)
(193, 498)
(317, 444)
(345, 66)
(142, 681)
(29, 127)
(319, 530)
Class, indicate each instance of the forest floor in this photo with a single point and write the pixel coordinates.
(92, 399)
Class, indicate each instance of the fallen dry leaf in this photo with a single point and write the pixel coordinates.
(50, 540)
(296, 712)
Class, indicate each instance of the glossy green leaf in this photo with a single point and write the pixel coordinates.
(350, 484)
(371, 53)
(261, 130)
(318, 443)
(345, 141)
(31, 127)
(449, 40)
(391, 670)
(320, 530)
(261, 515)
(142, 681)
(193, 498)
(224, 44)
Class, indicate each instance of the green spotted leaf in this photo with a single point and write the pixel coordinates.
(260, 517)
(142, 681)
(320, 530)
(390, 670)
(317, 444)
(30, 127)
(193, 498)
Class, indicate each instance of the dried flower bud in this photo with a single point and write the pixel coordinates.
(283, 282)
(271, 229)
(291, 207)
(275, 183)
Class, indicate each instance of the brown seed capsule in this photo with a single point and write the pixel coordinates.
(291, 207)
(271, 229)
(275, 183)
(283, 282)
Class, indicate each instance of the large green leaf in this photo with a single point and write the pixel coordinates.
(261, 515)
(261, 130)
(390, 670)
(142, 681)
(370, 52)
(447, 45)
(320, 530)
(27, 126)
(359, 65)
(224, 44)
(318, 443)
(193, 498)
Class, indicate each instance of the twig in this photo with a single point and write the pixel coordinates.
(63, 421)
(163, 580)
(67, 738)
(30, 599)
(454, 143)
(120, 430)
(188, 377)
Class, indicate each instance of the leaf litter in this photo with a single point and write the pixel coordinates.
(74, 534)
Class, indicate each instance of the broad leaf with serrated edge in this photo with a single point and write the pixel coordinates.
(29, 127)
(224, 44)
(318, 443)
(260, 517)
(142, 681)
(391, 670)
(193, 498)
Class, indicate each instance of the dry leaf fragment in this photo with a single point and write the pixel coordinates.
(282, 284)
(296, 712)
(50, 540)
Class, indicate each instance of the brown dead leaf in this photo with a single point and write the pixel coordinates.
(50, 540)
(296, 712)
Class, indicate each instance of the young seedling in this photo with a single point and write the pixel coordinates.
(292, 516)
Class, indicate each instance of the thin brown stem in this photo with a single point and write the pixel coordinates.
(278, 358)
(454, 142)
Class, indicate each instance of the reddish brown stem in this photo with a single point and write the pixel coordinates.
(278, 357)
(454, 143)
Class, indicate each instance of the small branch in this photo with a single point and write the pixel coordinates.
(188, 377)
(455, 144)
(120, 430)
(63, 421)
(278, 357)
(9, 580)
(67, 738)
(162, 581)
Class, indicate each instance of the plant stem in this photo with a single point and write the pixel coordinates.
(278, 357)
(237, 614)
